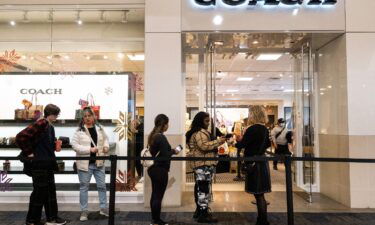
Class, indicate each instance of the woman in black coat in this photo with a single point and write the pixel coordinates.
(255, 141)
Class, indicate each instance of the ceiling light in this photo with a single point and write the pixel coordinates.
(287, 53)
(255, 42)
(137, 57)
(12, 23)
(219, 43)
(220, 74)
(269, 56)
(245, 79)
(102, 19)
(290, 76)
(218, 20)
(258, 75)
(329, 86)
(282, 87)
(25, 17)
(289, 90)
(295, 12)
(232, 94)
(120, 55)
(321, 93)
(31, 57)
(281, 75)
(232, 90)
(322, 89)
(88, 57)
(78, 20)
(66, 57)
(49, 57)
(23, 57)
(105, 57)
(50, 17)
(124, 18)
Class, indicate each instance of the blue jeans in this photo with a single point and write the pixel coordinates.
(84, 180)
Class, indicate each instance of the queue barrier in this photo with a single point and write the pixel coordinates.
(286, 159)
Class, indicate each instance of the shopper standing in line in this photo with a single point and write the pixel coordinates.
(158, 172)
(280, 143)
(256, 141)
(38, 141)
(198, 138)
(91, 140)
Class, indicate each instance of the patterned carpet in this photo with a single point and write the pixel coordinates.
(185, 218)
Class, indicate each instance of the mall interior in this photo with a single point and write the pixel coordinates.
(312, 65)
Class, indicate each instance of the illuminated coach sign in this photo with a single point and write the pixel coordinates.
(266, 2)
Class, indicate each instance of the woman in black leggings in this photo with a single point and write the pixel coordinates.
(159, 147)
(256, 141)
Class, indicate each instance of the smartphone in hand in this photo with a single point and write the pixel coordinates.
(179, 148)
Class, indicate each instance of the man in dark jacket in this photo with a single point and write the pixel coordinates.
(37, 142)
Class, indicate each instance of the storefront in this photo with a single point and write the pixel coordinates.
(345, 67)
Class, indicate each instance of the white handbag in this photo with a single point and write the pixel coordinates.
(147, 153)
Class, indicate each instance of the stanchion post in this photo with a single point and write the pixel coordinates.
(289, 189)
(112, 190)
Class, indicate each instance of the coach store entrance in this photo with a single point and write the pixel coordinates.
(227, 73)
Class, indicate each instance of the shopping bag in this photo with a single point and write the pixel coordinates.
(223, 149)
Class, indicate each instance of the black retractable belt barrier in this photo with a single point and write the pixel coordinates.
(112, 191)
(289, 189)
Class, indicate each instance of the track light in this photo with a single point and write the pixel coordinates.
(50, 17)
(102, 19)
(25, 17)
(125, 16)
(78, 20)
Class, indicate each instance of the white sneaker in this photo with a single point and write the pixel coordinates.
(84, 216)
(104, 212)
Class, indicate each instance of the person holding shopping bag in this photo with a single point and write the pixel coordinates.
(91, 140)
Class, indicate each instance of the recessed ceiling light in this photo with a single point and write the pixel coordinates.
(218, 20)
(12, 23)
(66, 57)
(258, 75)
(23, 57)
(232, 90)
(282, 87)
(245, 79)
(321, 93)
(289, 90)
(49, 57)
(269, 56)
(219, 43)
(105, 57)
(329, 86)
(255, 42)
(136, 57)
(281, 75)
(88, 57)
(31, 57)
(221, 74)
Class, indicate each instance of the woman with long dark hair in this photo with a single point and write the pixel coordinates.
(158, 172)
(198, 138)
(256, 141)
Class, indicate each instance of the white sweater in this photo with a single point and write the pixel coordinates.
(81, 144)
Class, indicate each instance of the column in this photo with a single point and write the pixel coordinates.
(165, 86)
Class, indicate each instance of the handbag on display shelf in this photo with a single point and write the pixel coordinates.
(88, 103)
(21, 114)
(35, 111)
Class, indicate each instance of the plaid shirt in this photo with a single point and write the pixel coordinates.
(201, 146)
(28, 137)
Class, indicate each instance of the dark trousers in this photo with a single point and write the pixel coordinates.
(43, 195)
(159, 180)
(281, 150)
(138, 164)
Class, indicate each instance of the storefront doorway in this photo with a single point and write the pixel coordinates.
(227, 73)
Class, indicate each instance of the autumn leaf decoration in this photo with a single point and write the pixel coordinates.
(8, 60)
(125, 181)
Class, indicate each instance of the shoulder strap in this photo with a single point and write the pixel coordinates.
(278, 134)
(88, 134)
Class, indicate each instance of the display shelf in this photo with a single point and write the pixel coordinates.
(67, 123)
(15, 147)
(67, 170)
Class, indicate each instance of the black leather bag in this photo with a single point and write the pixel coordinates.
(27, 164)
(65, 140)
(223, 166)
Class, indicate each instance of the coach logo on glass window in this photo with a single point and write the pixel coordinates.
(49, 91)
(266, 2)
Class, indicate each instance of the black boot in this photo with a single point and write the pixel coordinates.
(206, 217)
(261, 221)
